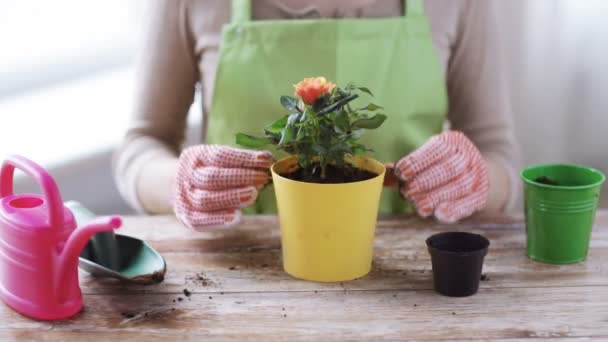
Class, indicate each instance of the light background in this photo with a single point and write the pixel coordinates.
(66, 81)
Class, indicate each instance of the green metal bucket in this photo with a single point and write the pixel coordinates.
(560, 211)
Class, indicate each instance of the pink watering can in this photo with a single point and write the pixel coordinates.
(40, 245)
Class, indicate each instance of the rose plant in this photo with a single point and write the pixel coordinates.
(327, 192)
(321, 127)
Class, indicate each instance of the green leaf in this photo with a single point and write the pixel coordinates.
(289, 102)
(357, 133)
(306, 113)
(340, 148)
(366, 90)
(289, 132)
(320, 103)
(341, 93)
(342, 121)
(370, 123)
(277, 126)
(320, 150)
(250, 141)
(338, 104)
(359, 149)
(287, 136)
(372, 107)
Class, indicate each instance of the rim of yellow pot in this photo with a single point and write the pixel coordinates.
(374, 167)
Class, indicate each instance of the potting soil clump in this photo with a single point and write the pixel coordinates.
(333, 175)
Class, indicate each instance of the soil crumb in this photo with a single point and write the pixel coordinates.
(546, 181)
(200, 279)
(484, 277)
(187, 293)
(149, 279)
(160, 314)
(333, 175)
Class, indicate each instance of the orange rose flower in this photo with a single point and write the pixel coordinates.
(310, 89)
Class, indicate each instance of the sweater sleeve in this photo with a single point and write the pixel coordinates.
(479, 99)
(144, 165)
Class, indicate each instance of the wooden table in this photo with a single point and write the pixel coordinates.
(237, 290)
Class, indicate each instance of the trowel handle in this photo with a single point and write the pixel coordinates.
(104, 244)
(42, 177)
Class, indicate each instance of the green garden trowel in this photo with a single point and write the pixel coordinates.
(118, 256)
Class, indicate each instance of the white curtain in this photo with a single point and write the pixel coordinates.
(557, 52)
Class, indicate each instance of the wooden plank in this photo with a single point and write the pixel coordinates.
(516, 313)
(261, 227)
(238, 291)
(163, 336)
(248, 258)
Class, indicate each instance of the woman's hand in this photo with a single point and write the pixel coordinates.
(213, 182)
(446, 177)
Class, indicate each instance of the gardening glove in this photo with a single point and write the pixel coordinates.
(446, 177)
(213, 182)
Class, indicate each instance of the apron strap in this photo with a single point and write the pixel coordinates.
(241, 11)
(413, 8)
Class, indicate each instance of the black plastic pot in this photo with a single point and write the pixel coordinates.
(457, 259)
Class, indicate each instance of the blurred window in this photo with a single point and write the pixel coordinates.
(66, 75)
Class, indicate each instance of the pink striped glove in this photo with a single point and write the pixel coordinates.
(446, 177)
(213, 182)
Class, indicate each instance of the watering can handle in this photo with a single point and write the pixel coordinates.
(46, 182)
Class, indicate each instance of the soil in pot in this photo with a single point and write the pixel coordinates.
(333, 175)
(546, 180)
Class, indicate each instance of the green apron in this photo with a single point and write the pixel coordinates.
(394, 57)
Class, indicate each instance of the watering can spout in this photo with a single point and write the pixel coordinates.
(68, 257)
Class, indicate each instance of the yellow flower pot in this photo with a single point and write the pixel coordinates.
(327, 230)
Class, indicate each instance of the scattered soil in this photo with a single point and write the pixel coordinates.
(187, 293)
(200, 279)
(180, 299)
(127, 315)
(546, 180)
(333, 175)
(264, 265)
(148, 279)
(484, 277)
(232, 268)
